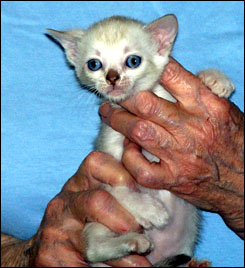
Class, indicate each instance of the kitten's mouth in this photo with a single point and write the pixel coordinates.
(115, 91)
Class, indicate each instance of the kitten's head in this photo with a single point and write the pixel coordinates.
(119, 56)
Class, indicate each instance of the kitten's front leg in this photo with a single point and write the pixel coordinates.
(217, 81)
(102, 244)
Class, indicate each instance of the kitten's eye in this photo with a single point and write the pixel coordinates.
(94, 65)
(133, 61)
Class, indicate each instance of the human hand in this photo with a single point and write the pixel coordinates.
(59, 240)
(199, 141)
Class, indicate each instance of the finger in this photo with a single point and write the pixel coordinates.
(99, 167)
(148, 106)
(100, 206)
(148, 135)
(148, 174)
(130, 261)
(182, 84)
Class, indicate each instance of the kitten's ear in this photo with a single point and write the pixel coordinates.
(164, 31)
(69, 41)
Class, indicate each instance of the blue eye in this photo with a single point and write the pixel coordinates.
(133, 61)
(94, 65)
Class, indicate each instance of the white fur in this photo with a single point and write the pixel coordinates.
(170, 223)
(218, 82)
(179, 233)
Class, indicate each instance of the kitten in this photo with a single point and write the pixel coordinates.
(118, 57)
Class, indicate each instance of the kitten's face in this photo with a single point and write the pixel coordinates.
(118, 56)
(120, 69)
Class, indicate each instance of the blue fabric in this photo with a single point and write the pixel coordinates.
(49, 123)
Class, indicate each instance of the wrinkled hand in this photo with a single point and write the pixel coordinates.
(59, 241)
(199, 141)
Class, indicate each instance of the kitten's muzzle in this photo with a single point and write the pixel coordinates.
(112, 77)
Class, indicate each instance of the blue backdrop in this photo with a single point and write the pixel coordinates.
(49, 122)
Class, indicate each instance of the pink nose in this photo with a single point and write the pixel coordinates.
(112, 76)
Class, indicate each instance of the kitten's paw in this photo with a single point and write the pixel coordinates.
(159, 220)
(155, 215)
(146, 224)
(217, 81)
(139, 244)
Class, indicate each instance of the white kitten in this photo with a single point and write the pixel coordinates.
(118, 57)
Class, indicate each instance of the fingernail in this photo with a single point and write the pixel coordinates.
(168, 73)
(126, 142)
(105, 109)
(171, 72)
(105, 112)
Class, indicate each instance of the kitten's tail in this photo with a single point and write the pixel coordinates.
(182, 260)
(174, 261)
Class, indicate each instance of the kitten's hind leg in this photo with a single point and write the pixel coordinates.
(102, 244)
(217, 81)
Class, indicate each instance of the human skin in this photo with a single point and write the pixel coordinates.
(58, 241)
(199, 141)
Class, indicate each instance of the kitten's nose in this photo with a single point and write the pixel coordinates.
(112, 76)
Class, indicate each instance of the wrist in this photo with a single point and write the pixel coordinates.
(30, 252)
(235, 224)
(231, 208)
(16, 252)
(234, 218)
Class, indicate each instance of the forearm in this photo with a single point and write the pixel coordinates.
(232, 208)
(15, 252)
(235, 221)
(232, 182)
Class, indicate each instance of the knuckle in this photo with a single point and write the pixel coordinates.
(225, 108)
(219, 108)
(144, 176)
(54, 207)
(49, 233)
(99, 200)
(50, 238)
(140, 130)
(128, 153)
(93, 159)
(144, 131)
(122, 179)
